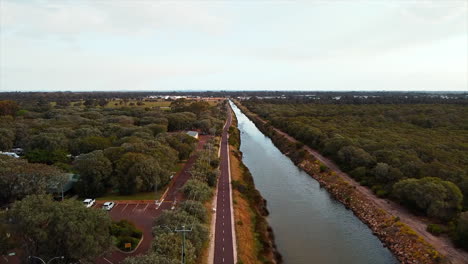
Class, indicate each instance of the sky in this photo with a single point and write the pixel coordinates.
(129, 45)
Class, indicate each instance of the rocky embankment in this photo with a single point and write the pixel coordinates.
(403, 242)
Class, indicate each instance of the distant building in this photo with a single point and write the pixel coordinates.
(11, 154)
(193, 134)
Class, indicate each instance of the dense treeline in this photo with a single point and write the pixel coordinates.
(191, 214)
(352, 97)
(125, 150)
(43, 227)
(415, 154)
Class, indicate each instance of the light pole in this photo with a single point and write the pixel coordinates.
(183, 230)
(50, 260)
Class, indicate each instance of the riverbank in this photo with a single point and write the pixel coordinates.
(406, 244)
(255, 239)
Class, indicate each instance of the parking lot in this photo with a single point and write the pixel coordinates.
(142, 214)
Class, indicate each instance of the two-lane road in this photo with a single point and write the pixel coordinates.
(224, 251)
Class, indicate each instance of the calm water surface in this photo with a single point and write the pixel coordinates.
(309, 226)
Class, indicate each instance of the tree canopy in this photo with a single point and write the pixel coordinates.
(47, 228)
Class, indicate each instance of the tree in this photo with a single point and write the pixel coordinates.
(181, 121)
(49, 142)
(91, 143)
(151, 258)
(147, 172)
(435, 197)
(354, 157)
(197, 190)
(461, 231)
(7, 137)
(137, 171)
(195, 209)
(47, 157)
(47, 228)
(18, 178)
(6, 241)
(157, 128)
(169, 245)
(8, 107)
(95, 171)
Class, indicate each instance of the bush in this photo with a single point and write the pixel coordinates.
(323, 168)
(460, 235)
(197, 190)
(435, 229)
(433, 196)
(125, 232)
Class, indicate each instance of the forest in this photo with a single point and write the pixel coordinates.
(415, 154)
(122, 151)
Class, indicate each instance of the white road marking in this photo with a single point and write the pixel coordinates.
(146, 207)
(108, 261)
(124, 207)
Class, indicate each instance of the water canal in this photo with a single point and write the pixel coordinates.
(309, 225)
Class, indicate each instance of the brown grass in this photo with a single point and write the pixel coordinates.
(243, 215)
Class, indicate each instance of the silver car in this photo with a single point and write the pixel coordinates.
(108, 206)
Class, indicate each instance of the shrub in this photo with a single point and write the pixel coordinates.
(125, 232)
(435, 229)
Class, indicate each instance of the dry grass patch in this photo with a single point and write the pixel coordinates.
(243, 215)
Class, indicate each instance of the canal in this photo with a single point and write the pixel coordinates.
(309, 225)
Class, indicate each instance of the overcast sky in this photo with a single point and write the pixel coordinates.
(233, 45)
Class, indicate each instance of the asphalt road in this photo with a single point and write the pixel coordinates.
(224, 246)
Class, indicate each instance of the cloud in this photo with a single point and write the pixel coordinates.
(71, 18)
(136, 44)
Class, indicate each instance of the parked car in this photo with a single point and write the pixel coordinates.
(89, 202)
(108, 206)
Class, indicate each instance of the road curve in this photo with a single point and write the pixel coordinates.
(224, 244)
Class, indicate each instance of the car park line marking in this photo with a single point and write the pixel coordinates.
(146, 207)
(108, 260)
(135, 207)
(124, 207)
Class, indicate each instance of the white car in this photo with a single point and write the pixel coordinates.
(108, 206)
(89, 202)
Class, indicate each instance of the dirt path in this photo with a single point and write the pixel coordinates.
(441, 244)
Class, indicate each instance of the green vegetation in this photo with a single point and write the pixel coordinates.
(460, 234)
(190, 214)
(435, 229)
(121, 152)
(413, 153)
(19, 178)
(44, 227)
(125, 233)
(135, 196)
